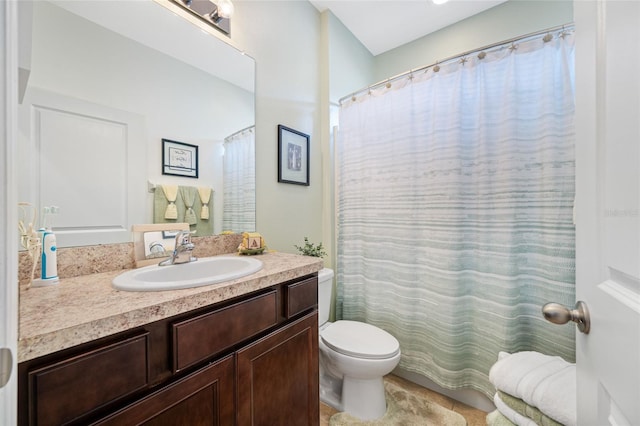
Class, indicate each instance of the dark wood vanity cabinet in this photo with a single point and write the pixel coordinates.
(278, 379)
(205, 397)
(252, 360)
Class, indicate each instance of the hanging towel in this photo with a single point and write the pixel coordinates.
(205, 196)
(171, 192)
(542, 381)
(188, 194)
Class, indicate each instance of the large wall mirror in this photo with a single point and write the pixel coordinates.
(106, 82)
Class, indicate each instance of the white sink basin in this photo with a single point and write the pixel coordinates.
(204, 271)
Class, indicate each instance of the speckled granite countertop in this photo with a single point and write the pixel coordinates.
(85, 308)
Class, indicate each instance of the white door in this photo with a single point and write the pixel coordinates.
(608, 210)
(8, 214)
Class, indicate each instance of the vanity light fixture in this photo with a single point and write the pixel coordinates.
(224, 10)
(217, 14)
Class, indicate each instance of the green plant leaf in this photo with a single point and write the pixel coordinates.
(310, 249)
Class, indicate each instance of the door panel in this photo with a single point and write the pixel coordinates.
(608, 210)
(9, 66)
(56, 130)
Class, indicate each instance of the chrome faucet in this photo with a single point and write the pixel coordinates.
(182, 250)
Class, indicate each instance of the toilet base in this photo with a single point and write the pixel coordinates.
(330, 390)
(364, 398)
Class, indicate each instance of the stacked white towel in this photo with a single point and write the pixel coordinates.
(545, 382)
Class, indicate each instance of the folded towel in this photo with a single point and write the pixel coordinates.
(542, 381)
(496, 418)
(527, 410)
(511, 414)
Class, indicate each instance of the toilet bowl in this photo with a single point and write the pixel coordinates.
(354, 356)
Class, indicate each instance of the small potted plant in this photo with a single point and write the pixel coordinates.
(310, 249)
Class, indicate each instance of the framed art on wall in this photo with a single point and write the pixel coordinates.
(293, 156)
(179, 159)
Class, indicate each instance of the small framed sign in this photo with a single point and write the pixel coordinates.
(179, 159)
(293, 156)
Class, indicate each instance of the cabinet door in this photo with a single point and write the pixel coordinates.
(278, 377)
(205, 397)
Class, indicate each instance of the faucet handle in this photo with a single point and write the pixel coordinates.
(182, 250)
(182, 238)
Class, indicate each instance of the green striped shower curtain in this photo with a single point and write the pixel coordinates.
(455, 198)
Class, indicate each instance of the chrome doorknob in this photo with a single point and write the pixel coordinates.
(558, 314)
(6, 364)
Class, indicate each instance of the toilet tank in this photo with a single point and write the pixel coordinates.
(325, 290)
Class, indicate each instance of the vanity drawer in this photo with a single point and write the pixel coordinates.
(67, 390)
(203, 336)
(204, 397)
(300, 296)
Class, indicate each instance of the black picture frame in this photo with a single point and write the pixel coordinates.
(293, 156)
(169, 234)
(179, 159)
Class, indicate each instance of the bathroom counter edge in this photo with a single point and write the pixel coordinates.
(86, 308)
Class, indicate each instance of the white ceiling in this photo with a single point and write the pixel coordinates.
(382, 25)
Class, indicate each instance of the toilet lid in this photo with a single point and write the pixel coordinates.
(360, 340)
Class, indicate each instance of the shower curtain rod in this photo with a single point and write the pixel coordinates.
(451, 58)
(239, 131)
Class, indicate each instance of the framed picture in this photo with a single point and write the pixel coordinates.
(293, 156)
(169, 234)
(179, 159)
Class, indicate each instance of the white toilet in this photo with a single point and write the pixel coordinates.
(354, 357)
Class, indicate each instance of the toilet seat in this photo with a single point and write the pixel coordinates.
(360, 340)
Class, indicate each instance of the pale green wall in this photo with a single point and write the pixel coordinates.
(351, 65)
(284, 39)
(511, 19)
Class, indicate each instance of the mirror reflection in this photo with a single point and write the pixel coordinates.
(102, 92)
(159, 243)
(155, 242)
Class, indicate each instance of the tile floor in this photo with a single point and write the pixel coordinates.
(473, 416)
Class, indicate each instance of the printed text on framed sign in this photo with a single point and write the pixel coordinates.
(179, 159)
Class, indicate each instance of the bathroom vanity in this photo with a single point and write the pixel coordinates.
(240, 352)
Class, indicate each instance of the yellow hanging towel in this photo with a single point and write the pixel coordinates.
(205, 196)
(171, 192)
